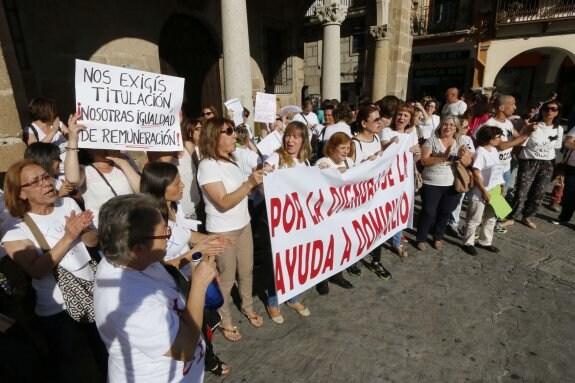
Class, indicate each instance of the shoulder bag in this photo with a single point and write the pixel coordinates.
(78, 293)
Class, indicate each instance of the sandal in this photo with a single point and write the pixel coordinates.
(275, 314)
(300, 308)
(255, 319)
(527, 222)
(219, 367)
(401, 253)
(231, 334)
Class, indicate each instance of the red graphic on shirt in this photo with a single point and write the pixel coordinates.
(188, 365)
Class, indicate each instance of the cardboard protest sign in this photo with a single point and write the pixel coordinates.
(235, 106)
(265, 109)
(322, 221)
(270, 143)
(128, 109)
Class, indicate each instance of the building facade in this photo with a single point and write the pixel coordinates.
(525, 48)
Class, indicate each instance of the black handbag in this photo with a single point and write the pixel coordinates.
(78, 293)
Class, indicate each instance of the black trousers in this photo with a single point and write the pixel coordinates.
(437, 204)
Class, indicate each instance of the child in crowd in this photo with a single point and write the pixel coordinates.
(487, 174)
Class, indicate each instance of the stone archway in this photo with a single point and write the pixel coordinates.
(187, 49)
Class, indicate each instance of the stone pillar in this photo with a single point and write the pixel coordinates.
(236, 47)
(331, 16)
(381, 59)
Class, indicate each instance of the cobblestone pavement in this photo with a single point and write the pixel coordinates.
(444, 317)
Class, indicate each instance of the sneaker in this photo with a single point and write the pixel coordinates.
(499, 230)
(380, 271)
(469, 249)
(354, 269)
(322, 288)
(489, 248)
(404, 239)
(453, 232)
(557, 222)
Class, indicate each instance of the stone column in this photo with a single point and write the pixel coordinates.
(381, 59)
(236, 47)
(331, 16)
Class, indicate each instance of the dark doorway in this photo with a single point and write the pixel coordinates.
(188, 50)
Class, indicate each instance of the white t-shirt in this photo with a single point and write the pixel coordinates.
(339, 127)
(542, 143)
(137, 315)
(507, 127)
(466, 140)
(59, 140)
(96, 192)
(387, 134)
(365, 149)
(347, 163)
(439, 174)
(570, 153)
(49, 300)
(246, 159)
(191, 195)
(308, 119)
(274, 160)
(454, 109)
(212, 171)
(489, 163)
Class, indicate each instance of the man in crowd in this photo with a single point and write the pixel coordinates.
(453, 105)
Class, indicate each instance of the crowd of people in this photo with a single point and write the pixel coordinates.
(123, 260)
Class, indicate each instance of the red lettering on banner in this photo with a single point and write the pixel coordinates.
(402, 170)
(347, 250)
(279, 276)
(360, 235)
(304, 266)
(316, 213)
(316, 260)
(328, 264)
(290, 263)
(290, 215)
(404, 208)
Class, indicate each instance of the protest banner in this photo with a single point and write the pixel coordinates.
(235, 106)
(322, 221)
(265, 109)
(128, 109)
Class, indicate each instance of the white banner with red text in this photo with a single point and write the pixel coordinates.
(323, 221)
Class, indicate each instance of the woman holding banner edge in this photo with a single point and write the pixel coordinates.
(294, 152)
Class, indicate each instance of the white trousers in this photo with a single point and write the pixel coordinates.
(479, 214)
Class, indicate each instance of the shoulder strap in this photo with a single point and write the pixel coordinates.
(346, 164)
(359, 142)
(104, 178)
(36, 232)
(304, 118)
(34, 131)
(322, 133)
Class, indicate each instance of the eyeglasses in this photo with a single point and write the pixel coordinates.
(229, 131)
(38, 181)
(551, 109)
(205, 114)
(375, 120)
(167, 234)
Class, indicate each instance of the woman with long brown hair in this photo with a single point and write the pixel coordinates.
(225, 191)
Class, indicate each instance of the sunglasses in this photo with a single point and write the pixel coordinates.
(205, 114)
(167, 234)
(38, 181)
(551, 109)
(229, 131)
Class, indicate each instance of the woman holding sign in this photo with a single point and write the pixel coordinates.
(367, 146)
(294, 152)
(225, 190)
(109, 173)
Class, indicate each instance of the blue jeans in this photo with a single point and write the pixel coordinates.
(396, 239)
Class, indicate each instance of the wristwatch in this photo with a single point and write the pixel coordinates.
(196, 257)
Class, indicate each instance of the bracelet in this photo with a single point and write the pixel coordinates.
(72, 149)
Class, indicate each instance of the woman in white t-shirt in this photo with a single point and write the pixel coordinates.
(367, 146)
(110, 173)
(294, 152)
(403, 123)
(46, 126)
(30, 194)
(162, 181)
(488, 175)
(225, 190)
(536, 163)
(149, 323)
(438, 196)
(337, 151)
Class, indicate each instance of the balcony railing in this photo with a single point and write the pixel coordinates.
(528, 11)
(348, 3)
(441, 17)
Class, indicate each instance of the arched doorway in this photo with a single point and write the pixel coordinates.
(532, 75)
(188, 50)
